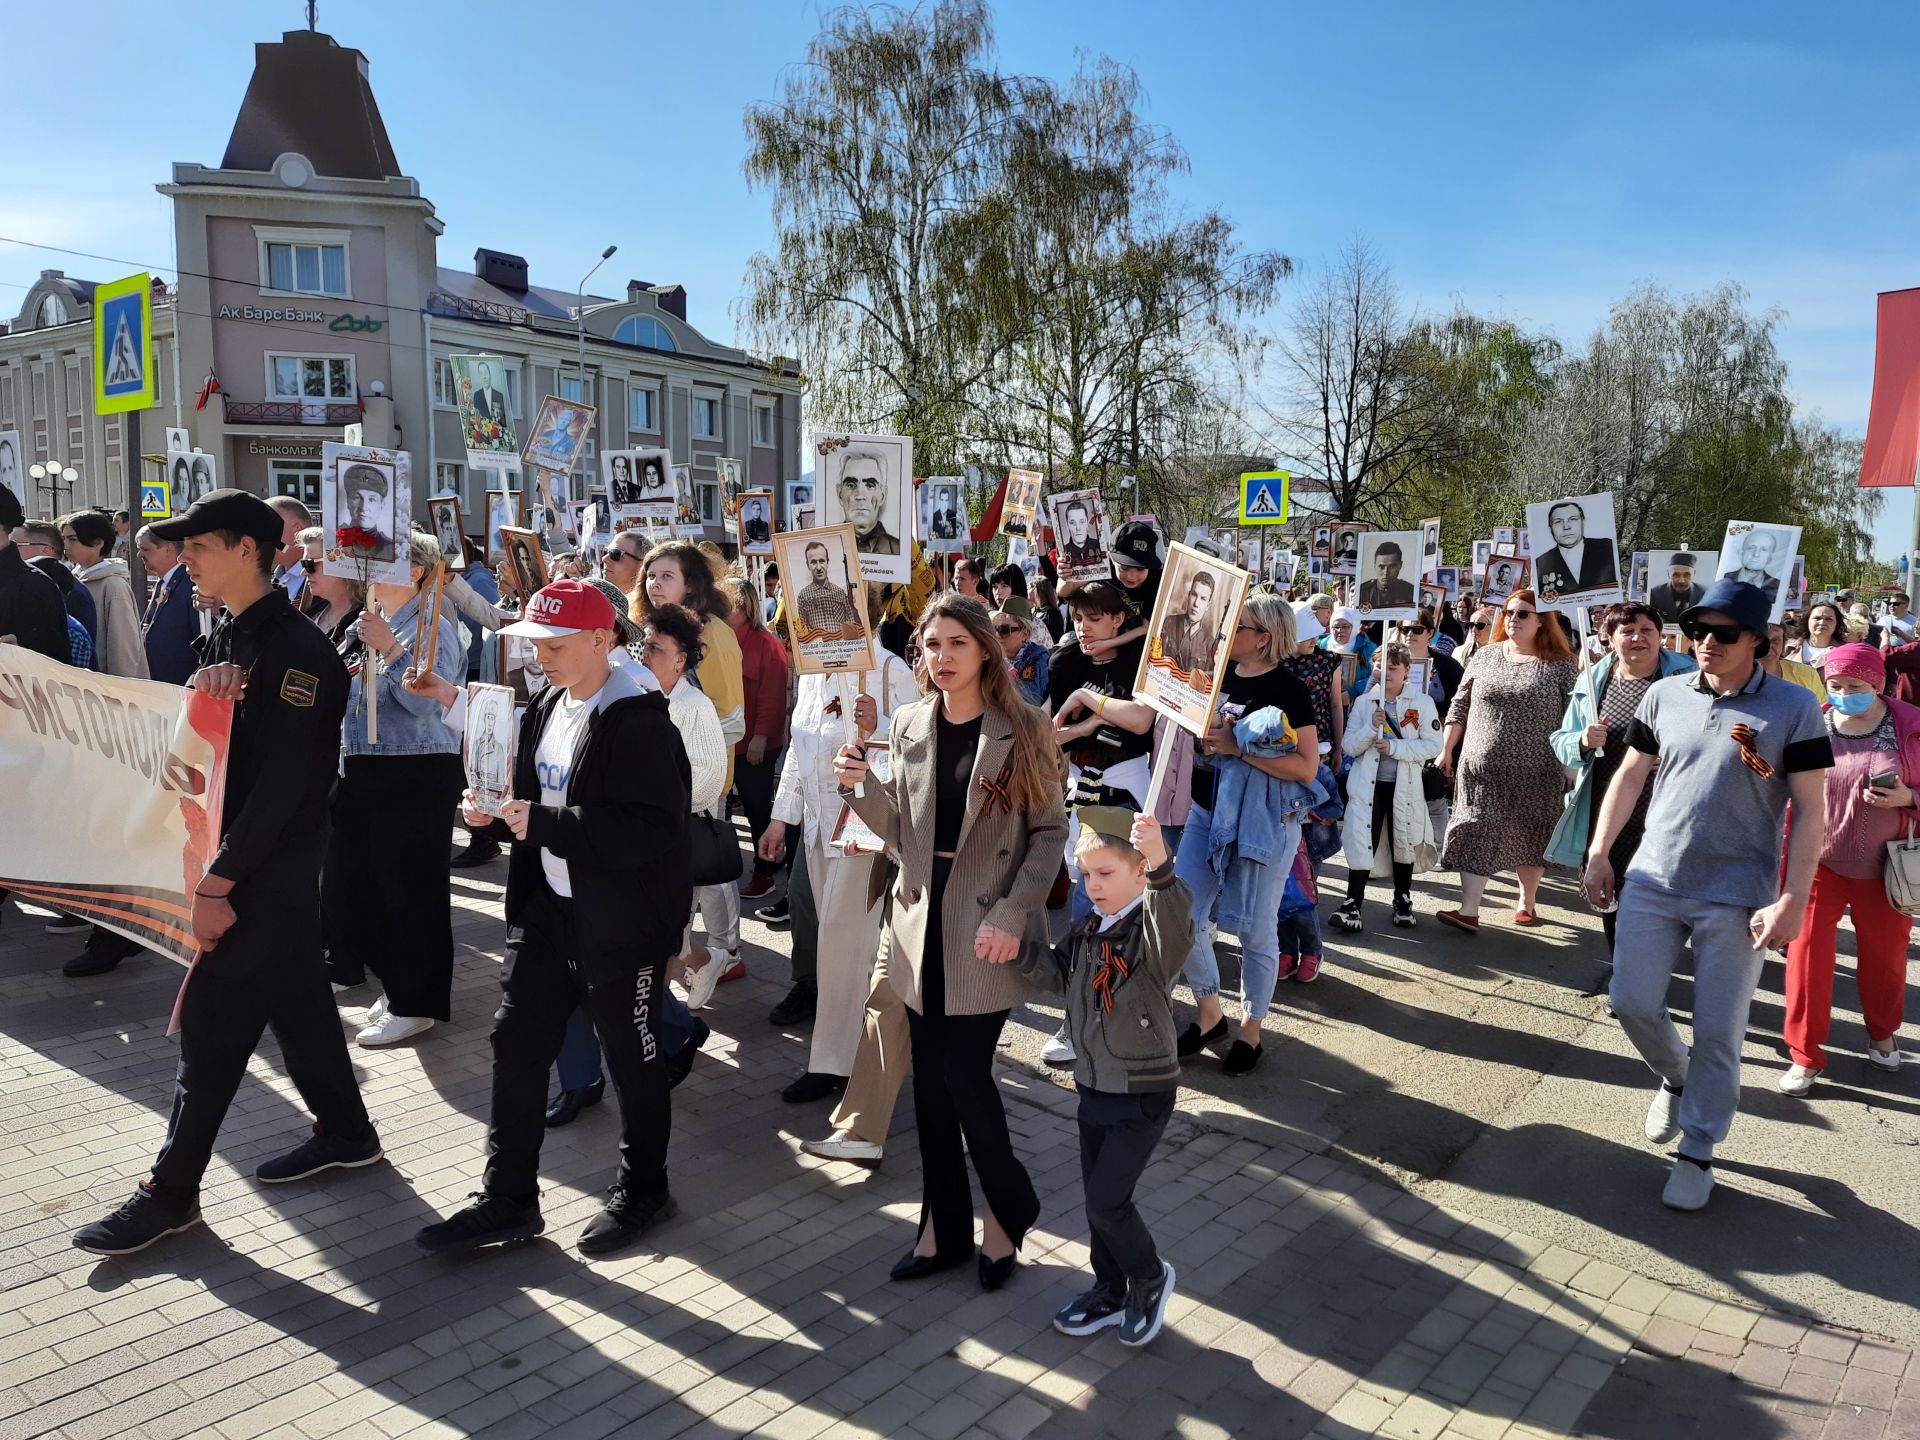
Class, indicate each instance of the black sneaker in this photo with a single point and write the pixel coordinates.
(104, 952)
(67, 925)
(626, 1218)
(1146, 1308)
(1193, 1040)
(1099, 1309)
(155, 1212)
(814, 1085)
(1403, 912)
(681, 1065)
(319, 1151)
(487, 1220)
(797, 1006)
(1347, 917)
(475, 853)
(776, 914)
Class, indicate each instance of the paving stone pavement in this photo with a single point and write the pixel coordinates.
(1313, 1298)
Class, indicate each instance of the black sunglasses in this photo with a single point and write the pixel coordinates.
(1477, 625)
(1519, 614)
(309, 564)
(623, 555)
(1696, 631)
(1005, 630)
(1416, 629)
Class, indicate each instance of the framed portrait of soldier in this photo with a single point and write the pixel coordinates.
(484, 397)
(1482, 549)
(1322, 541)
(866, 481)
(1503, 539)
(1432, 594)
(727, 473)
(503, 512)
(1637, 577)
(1447, 577)
(487, 746)
(559, 431)
(943, 516)
(1017, 510)
(1082, 535)
(1346, 547)
(1429, 547)
(1388, 575)
(1676, 579)
(754, 524)
(1761, 554)
(1575, 559)
(366, 511)
(686, 504)
(524, 555)
(1506, 573)
(443, 519)
(826, 599)
(1188, 637)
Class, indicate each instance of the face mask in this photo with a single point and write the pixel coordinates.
(1856, 702)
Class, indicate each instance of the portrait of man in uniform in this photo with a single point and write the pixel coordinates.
(1191, 639)
(366, 503)
(866, 481)
(1385, 589)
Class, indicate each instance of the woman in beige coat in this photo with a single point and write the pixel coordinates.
(971, 812)
(119, 644)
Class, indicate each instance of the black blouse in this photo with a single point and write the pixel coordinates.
(953, 751)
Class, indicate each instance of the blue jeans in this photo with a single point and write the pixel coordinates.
(1260, 942)
(1300, 932)
(579, 1062)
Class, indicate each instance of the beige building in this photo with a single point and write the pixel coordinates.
(310, 287)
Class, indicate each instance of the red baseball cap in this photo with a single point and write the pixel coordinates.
(564, 607)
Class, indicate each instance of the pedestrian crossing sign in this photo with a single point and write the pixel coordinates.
(156, 502)
(1263, 497)
(123, 377)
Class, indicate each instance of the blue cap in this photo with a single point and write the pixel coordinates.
(1747, 605)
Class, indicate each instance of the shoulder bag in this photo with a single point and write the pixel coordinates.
(713, 851)
(1903, 873)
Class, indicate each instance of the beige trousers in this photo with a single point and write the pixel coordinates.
(882, 1063)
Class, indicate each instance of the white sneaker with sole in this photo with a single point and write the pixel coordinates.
(1797, 1081)
(377, 1011)
(391, 1029)
(1688, 1186)
(701, 979)
(842, 1146)
(1888, 1060)
(1059, 1050)
(1663, 1116)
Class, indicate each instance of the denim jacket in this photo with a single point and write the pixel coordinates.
(409, 724)
(1568, 843)
(1255, 816)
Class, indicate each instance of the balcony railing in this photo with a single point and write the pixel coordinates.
(291, 412)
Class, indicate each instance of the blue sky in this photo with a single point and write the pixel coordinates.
(1531, 160)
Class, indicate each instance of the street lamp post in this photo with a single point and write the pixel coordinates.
(52, 475)
(580, 330)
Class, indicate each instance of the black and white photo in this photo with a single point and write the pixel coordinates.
(1387, 570)
(1761, 554)
(1676, 579)
(1081, 534)
(866, 481)
(1574, 559)
(943, 516)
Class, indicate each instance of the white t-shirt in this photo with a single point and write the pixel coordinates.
(553, 763)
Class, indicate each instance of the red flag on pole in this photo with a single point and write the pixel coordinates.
(1893, 427)
(989, 525)
(208, 389)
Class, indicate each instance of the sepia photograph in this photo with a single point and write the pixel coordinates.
(443, 519)
(827, 600)
(524, 554)
(1081, 534)
(1574, 562)
(1506, 573)
(1017, 511)
(866, 481)
(1760, 554)
(1387, 575)
(1189, 635)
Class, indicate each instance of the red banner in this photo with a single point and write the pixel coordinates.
(1893, 429)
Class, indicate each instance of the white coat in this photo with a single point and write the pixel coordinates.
(807, 791)
(1409, 838)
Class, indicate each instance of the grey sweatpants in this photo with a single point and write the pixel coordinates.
(1654, 928)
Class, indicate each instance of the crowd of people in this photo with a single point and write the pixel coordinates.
(1001, 769)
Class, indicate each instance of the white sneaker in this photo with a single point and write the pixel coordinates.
(1888, 1060)
(1663, 1116)
(701, 979)
(842, 1146)
(391, 1029)
(1688, 1186)
(1059, 1050)
(1797, 1081)
(377, 1011)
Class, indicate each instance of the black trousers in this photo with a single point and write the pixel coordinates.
(1402, 870)
(547, 974)
(803, 927)
(265, 973)
(755, 785)
(957, 1110)
(1117, 1136)
(381, 894)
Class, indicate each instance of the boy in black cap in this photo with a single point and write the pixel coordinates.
(256, 912)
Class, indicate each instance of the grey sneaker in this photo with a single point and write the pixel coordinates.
(1099, 1309)
(1146, 1308)
(1689, 1185)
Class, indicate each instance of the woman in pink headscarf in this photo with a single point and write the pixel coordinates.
(1871, 799)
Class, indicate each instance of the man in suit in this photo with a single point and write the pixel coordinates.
(863, 499)
(1570, 565)
(1679, 594)
(171, 624)
(488, 403)
(1080, 548)
(753, 523)
(1386, 590)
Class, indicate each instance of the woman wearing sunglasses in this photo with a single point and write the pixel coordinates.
(1479, 629)
(1498, 752)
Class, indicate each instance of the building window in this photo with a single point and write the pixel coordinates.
(571, 388)
(513, 392)
(303, 262)
(763, 423)
(446, 478)
(709, 502)
(706, 417)
(644, 330)
(640, 409)
(310, 377)
(443, 384)
(298, 478)
(39, 393)
(53, 311)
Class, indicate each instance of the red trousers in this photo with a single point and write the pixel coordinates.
(1880, 932)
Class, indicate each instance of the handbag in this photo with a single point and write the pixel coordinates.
(1903, 873)
(713, 851)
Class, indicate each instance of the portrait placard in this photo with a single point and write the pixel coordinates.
(1503, 539)
(1506, 573)
(1676, 579)
(866, 481)
(639, 483)
(727, 473)
(190, 474)
(1797, 582)
(687, 523)
(504, 510)
(1447, 577)
(1188, 637)
(1322, 541)
(366, 512)
(827, 604)
(487, 746)
(1346, 546)
(1637, 577)
(1388, 560)
(13, 466)
(483, 393)
(1761, 554)
(1482, 549)
(754, 525)
(1022, 499)
(558, 432)
(524, 554)
(1250, 549)
(443, 519)
(1429, 546)
(1082, 535)
(1577, 563)
(852, 837)
(943, 516)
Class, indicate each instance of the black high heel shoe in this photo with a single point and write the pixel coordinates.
(916, 1267)
(568, 1104)
(995, 1273)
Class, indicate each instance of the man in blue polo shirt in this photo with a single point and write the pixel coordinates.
(1726, 749)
